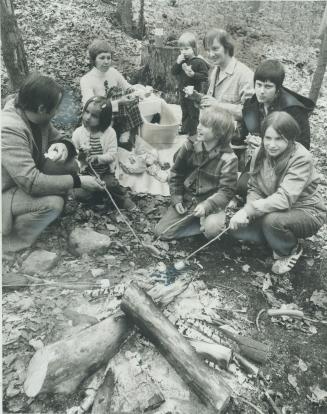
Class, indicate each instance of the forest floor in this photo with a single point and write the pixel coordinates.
(56, 36)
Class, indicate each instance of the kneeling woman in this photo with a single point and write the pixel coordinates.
(283, 202)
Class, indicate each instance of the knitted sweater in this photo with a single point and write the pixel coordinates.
(92, 83)
(108, 141)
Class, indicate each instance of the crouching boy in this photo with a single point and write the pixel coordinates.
(202, 181)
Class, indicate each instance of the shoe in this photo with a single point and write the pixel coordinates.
(284, 264)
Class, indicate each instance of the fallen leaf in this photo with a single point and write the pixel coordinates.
(292, 380)
(246, 268)
(319, 298)
(303, 366)
(318, 395)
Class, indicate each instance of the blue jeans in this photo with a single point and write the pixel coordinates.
(210, 226)
(281, 230)
(33, 214)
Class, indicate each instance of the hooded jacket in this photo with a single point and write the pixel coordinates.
(298, 106)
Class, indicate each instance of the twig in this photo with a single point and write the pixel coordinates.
(246, 401)
(207, 244)
(173, 225)
(226, 287)
(271, 402)
(258, 317)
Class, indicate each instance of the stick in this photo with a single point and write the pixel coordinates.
(207, 244)
(152, 248)
(226, 287)
(257, 409)
(173, 225)
(272, 402)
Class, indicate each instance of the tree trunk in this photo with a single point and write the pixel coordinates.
(63, 365)
(319, 74)
(13, 51)
(175, 348)
(157, 62)
(127, 10)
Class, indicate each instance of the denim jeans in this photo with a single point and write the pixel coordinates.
(210, 226)
(281, 230)
(33, 214)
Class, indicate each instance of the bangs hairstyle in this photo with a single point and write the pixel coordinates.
(224, 38)
(96, 47)
(286, 126)
(221, 122)
(105, 108)
(188, 39)
(270, 70)
(39, 90)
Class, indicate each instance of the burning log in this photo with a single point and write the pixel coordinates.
(175, 348)
(63, 365)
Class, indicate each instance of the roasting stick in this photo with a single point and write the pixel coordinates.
(149, 247)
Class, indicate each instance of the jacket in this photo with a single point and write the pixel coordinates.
(286, 100)
(200, 78)
(210, 177)
(18, 166)
(108, 141)
(232, 86)
(297, 187)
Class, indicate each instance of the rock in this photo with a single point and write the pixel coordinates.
(85, 240)
(39, 261)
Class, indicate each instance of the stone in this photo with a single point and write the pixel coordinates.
(85, 240)
(39, 261)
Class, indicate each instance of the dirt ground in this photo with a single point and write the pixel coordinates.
(235, 275)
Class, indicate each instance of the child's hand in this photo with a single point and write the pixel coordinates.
(239, 219)
(254, 141)
(93, 159)
(180, 59)
(180, 208)
(188, 70)
(199, 211)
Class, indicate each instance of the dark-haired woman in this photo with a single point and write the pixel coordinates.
(283, 201)
(270, 95)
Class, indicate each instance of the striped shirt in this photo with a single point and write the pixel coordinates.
(96, 149)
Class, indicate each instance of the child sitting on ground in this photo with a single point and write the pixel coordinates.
(96, 143)
(202, 180)
(192, 73)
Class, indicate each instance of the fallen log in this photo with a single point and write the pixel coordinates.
(102, 401)
(62, 366)
(134, 381)
(250, 348)
(211, 390)
(219, 354)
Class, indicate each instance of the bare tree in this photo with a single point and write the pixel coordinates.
(322, 60)
(13, 51)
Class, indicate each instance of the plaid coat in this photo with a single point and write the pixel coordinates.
(209, 177)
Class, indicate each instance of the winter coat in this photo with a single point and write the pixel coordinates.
(286, 100)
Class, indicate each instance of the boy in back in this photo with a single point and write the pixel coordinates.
(192, 74)
(203, 180)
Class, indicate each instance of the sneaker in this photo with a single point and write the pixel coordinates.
(284, 264)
